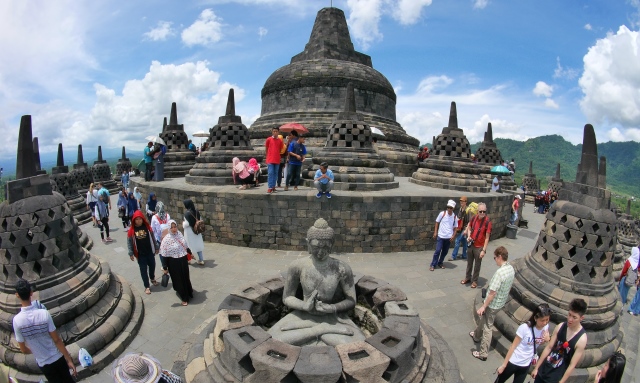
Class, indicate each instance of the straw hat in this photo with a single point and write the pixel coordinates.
(137, 368)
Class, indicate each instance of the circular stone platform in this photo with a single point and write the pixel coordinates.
(234, 346)
(393, 220)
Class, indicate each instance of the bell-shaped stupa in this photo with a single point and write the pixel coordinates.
(530, 182)
(91, 307)
(488, 155)
(350, 154)
(123, 164)
(81, 173)
(627, 238)
(179, 159)
(64, 183)
(228, 139)
(311, 88)
(101, 172)
(572, 259)
(556, 181)
(449, 165)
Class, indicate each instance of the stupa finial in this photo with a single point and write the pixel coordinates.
(36, 154)
(231, 104)
(557, 171)
(173, 119)
(489, 133)
(602, 173)
(453, 115)
(164, 125)
(25, 164)
(629, 207)
(100, 153)
(530, 167)
(80, 155)
(588, 170)
(60, 160)
(124, 153)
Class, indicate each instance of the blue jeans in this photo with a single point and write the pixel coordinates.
(635, 304)
(200, 256)
(147, 262)
(463, 239)
(293, 176)
(514, 218)
(442, 247)
(272, 175)
(624, 290)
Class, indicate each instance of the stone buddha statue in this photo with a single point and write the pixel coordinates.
(328, 290)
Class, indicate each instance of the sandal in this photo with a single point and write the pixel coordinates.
(147, 291)
(184, 303)
(471, 334)
(464, 281)
(442, 267)
(431, 268)
(476, 354)
(154, 282)
(474, 285)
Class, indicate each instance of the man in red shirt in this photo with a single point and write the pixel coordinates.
(477, 232)
(273, 145)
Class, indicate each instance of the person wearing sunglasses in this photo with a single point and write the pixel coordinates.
(477, 233)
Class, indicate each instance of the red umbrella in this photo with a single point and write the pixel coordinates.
(286, 128)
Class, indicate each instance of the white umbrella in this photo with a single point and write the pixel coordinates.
(376, 130)
(201, 133)
(155, 140)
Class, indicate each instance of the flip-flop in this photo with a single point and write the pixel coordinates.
(474, 285)
(147, 291)
(476, 355)
(471, 333)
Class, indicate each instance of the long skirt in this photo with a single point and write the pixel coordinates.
(179, 272)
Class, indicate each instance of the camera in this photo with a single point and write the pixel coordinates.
(484, 293)
(469, 242)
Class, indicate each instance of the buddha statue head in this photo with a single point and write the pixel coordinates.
(320, 239)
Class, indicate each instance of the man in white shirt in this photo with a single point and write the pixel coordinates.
(444, 232)
(36, 334)
(495, 184)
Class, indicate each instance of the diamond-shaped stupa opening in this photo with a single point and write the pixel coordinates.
(593, 273)
(553, 214)
(12, 239)
(47, 230)
(18, 221)
(599, 241)
(589, 256)
(567, 235)
(5, 272)
(559, 264)
(553, 228)
(37, 268)
(575, 270)
(563, 219)
(19, 272)
(4, 224)
(572, 252)
(603, 258)
(608, 229)
(555, 245)
(606, 272)
(42, 249)
(584, 240)
(24, 253)
(595, 227)
(579, 224)
(545, 256)
(51, 213)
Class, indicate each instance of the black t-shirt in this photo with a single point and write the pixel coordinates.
(143, 243)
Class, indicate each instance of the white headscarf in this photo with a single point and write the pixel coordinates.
(173, 245)
(633, 259)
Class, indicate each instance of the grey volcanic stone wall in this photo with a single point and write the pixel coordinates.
(363, 222)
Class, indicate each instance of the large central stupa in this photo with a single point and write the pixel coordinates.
(312, 88)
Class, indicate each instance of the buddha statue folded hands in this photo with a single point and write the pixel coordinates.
(320, 318)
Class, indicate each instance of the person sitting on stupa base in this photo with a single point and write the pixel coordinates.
(329, 293)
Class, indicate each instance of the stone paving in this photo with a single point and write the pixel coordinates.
(438, 296)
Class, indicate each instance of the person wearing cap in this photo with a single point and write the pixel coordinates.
(141, 368)
(514, 209)
(445, 230)
(36, 334)
(464, 217)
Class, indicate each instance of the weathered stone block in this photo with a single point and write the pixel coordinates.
(229, 320)
(232, 302)
(273, 361)
(398, 348)
(361, 362)
(402, 308)
(318, 364)
(388, 293)
(238, 344)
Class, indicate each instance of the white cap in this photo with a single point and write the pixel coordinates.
(451, 203)
(518, 196)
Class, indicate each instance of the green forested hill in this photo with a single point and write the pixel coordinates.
(623, 160)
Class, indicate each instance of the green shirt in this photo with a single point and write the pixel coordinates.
(501, 283)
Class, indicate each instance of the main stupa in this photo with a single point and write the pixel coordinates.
(312, 88)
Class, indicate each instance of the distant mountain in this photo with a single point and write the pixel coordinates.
(623, 159)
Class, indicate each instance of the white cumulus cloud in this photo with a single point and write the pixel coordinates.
(409, 11)
(588, 27)
(480, 4)
(611, 80)
(206, 30)
(617, 135)
(160, 32)
(549, 103)
(543, 89)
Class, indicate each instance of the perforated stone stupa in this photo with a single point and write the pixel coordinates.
(228, 139)
(123, 164)
(91, 307)
(572, 259)
(36, 156)
(449, 165)
(179, 159)
(81, 173)
(350, 154)
(64, 183)
(311, 88)
(530, 182)
(627, 237)
(101, 172)
(488, 156)
(556, 182)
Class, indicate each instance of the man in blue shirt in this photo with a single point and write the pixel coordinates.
(323, 180)
(148, 161)
(297, 151)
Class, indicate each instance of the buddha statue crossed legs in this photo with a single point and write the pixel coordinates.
(328, 288)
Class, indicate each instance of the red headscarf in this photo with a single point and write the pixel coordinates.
(138, 214)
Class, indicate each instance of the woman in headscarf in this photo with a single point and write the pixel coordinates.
(240, 173)
(92, 198)
(138, 195)
(151, 206)
(194, 241)
(102, 215)
(630, 264)
(141, 368)
(174, 250)
(160, 226)
(142, 245)
(123, 203)
(254, 169)
(132, 205)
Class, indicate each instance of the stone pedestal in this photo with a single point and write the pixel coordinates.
(101, 172)
(311, 88)
(179, 159)
(81, 174)
(450, 165)
(530, 182)
(64, 183)
(228, 139)
(123, 164)
(572, 259)
(91, 307)
(350, 155)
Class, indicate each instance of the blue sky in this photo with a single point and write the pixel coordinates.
(105, 72)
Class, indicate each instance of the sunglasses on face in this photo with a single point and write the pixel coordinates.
(481, 211)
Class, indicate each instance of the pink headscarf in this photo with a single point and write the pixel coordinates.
(253, 164)
(239, 168)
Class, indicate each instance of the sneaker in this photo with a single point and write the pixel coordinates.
(452, 259)
(201, 263)
(104, 240)
(268, 191)
(328, 195)
(319, 195)
(109, 239)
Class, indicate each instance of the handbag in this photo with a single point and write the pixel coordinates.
(534, 360)
(189, 255)
(165, 280)
(121, 213)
